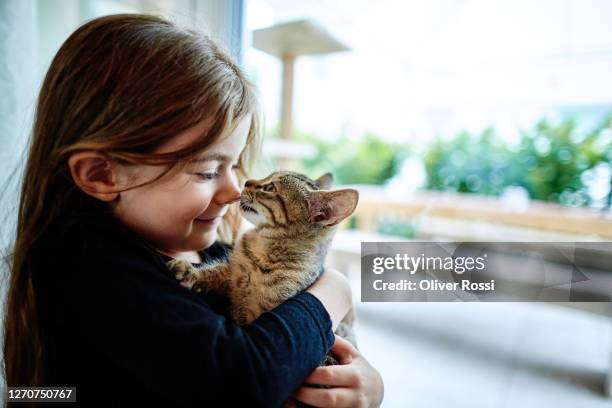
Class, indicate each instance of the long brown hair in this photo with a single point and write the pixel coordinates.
(123, 85)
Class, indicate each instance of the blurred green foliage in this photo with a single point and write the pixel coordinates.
(397, 227)
(367, 161)
(549, 161)
(469, 164)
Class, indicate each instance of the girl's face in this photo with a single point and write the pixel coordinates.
(181, 212)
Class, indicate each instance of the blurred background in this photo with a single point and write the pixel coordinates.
(457, 120)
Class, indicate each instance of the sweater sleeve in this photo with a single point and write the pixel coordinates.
(125, 309)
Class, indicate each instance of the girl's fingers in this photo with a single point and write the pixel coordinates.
(336, 376)
(345, 378)
(343, 350)
(322, 397)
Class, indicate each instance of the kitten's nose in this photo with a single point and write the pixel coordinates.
(249, 183)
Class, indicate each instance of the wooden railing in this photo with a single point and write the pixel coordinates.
(471, 217)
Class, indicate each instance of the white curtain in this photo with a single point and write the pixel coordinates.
(18, 73)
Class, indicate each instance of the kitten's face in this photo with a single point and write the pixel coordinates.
(286, 197)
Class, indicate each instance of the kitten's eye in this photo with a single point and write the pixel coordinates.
(269, 187)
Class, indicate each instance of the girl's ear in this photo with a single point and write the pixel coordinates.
(94, 174)
(325, 181)
(328, 208)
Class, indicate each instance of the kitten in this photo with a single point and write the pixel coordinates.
(295, 219)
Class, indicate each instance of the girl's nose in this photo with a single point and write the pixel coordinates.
(236, 198)
(230, 195)
(228, 192)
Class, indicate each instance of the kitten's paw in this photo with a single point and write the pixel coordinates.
(330, 359)
(184, 272)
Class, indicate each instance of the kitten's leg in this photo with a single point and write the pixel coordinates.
(346, 331)
(345, 328)
(212, 277)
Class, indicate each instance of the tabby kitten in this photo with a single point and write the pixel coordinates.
(295, 219)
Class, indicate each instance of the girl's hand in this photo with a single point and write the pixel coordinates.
(355, 383)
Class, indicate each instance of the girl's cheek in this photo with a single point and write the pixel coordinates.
(203, 192)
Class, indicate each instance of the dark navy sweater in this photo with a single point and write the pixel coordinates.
(119, 328)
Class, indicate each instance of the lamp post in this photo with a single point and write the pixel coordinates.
(287, 41)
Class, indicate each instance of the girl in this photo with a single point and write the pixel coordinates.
(142, 138)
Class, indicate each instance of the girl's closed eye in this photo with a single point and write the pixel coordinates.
(212, 174)
(207, 175)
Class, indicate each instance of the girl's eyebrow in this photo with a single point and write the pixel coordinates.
(211, 157)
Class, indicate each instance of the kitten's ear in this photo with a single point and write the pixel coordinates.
(328, 208)
(325, 181)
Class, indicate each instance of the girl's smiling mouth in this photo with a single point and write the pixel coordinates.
(210, 220)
